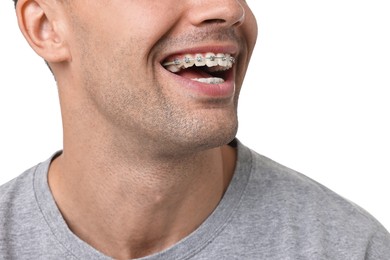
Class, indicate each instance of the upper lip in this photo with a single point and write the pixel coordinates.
(231, 49)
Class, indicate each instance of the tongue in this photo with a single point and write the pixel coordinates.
(193, 73)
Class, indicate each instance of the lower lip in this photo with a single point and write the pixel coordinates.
(223, 90)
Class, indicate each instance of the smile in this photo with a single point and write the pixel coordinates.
(209, 66)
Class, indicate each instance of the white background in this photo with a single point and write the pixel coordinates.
(315, 99)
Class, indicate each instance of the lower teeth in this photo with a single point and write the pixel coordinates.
(210, 80)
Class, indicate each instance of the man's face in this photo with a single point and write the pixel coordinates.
(160, 70)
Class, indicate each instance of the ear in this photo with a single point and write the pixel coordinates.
(42, 32)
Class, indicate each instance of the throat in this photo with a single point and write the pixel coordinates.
(144, 222)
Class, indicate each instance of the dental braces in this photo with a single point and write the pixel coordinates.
(188, 60)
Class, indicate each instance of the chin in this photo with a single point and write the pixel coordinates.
(208, 137)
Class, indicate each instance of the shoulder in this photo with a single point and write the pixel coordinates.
(18, 206)
(19, 194)
(24, 231)
(285, 205)
(16, 193)
(284, 185)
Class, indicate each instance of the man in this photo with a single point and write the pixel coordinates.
(150, 165)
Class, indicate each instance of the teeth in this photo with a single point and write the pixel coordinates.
(211, 60)
(217, 69)
(173, 68)
(222, 60)
(230, 61)
(199, 60)
(210, 80)
(188, 61)
(217, 62)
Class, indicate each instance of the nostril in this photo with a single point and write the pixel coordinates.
(216, 21)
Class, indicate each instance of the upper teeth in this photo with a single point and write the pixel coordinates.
(224, 61)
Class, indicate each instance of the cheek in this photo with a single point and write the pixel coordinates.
(118, 79)
(145, 20)
(112, 67)
(250, 29)
(249, 34)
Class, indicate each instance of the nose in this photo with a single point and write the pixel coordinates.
(229, 13)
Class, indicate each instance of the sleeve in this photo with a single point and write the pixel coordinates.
(379, 245)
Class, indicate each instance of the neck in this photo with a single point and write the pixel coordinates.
(129, 205)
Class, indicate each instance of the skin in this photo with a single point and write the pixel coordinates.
(135, 139)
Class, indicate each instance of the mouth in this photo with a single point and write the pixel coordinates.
(206, 68)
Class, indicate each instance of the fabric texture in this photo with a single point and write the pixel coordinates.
(268, 212)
